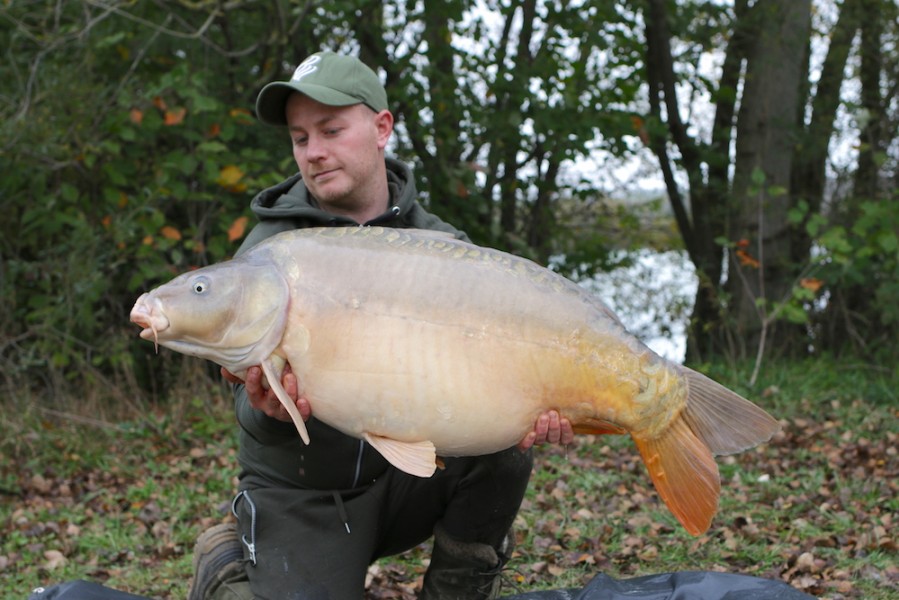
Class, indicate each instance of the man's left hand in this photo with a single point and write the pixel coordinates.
(550, 428)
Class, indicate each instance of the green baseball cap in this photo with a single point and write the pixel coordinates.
(329, 78)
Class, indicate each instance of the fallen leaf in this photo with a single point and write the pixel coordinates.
(55, 559)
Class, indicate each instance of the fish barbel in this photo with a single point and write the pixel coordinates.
(427, 346)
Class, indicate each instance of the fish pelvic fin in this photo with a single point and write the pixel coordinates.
(273, 375)
(415, 458)
(724, 420)
(684, 473)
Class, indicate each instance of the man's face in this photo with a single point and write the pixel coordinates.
(339, 151)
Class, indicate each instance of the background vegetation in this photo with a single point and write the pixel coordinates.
(129, 152)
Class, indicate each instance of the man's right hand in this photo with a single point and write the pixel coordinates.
(264, 399)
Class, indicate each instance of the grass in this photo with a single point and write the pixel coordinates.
(89, 493)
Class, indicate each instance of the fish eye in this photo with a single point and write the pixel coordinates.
(200, 285)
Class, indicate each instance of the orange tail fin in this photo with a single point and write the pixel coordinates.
(681, 460)
(684, 473)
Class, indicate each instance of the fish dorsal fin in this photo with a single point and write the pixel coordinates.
(273, 375)
(415, 458)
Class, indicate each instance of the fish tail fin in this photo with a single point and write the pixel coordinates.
(726, 421)
(715, 420)
(684, 473)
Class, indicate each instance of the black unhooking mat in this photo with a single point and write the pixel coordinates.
(683, 585)
(686, 585)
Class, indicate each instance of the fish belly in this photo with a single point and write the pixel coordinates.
(457, 347)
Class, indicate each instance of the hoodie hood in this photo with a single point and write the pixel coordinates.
(291, 200)
(289, 205)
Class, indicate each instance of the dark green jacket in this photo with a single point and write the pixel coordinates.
(271, 453)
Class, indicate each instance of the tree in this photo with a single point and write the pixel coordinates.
(130, 151)
(766, 133)
(756, 180)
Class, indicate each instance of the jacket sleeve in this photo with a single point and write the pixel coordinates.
(255, 422)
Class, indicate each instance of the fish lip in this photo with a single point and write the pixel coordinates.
(147, 313)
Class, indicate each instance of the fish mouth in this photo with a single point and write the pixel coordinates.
(148, 314)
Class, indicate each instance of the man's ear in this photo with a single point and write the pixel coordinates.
(384, 126)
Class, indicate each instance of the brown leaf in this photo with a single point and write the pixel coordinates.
(237, 229)
(175, 116)
(170, 233)
(55, 559)
(806, 563)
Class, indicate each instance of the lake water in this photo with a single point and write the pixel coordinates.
(653, 297)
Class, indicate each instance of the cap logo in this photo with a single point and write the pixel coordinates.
(308, 66)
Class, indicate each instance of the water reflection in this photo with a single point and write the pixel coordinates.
(653, 297)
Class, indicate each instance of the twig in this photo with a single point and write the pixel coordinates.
(83, 420)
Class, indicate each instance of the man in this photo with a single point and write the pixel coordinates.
(312, 518)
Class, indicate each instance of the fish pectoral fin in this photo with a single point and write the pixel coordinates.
(597, 427)
(273, 375)
(415, 458)
(684, 473)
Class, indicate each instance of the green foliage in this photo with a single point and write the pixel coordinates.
(857, 262)
(129, 151)
(121, 183)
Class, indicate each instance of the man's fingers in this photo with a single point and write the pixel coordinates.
(527, 442)
(550, 427)
(567, 432)
(541, 427)
(230, 377)
(305, 408)
(553, 429)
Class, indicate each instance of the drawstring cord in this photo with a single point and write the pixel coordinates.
(390, 215)
(251, 544)
(341, 510)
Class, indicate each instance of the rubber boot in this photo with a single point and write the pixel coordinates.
(218, 556)
(463, 570)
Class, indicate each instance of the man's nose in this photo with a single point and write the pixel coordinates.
(316, 148)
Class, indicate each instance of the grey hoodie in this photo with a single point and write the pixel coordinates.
(289, 205)
(271, 453)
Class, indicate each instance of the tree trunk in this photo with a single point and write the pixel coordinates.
(810, 156)
(711, 203)
(761, 271)
(849, 324)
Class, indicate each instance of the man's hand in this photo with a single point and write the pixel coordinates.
(265, 399)
(549, 428)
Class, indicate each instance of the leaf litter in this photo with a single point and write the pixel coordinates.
(815, 507)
